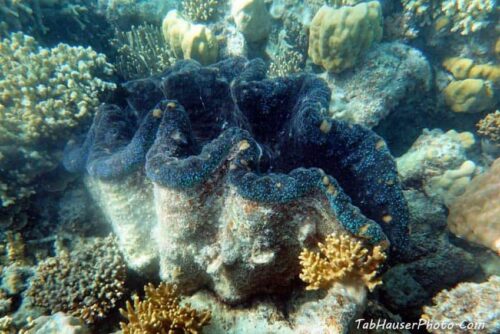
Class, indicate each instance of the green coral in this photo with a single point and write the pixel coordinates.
(45, 94)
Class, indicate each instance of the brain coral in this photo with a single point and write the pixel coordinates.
(474, 215)
(339, 36)
(242, 170)
(44, 95)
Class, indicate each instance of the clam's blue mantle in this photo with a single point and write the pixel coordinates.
(274, 134)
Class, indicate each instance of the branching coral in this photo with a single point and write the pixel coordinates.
(341, 258)
(45, 94)
(489, 127)
(468, 15)
(200, 10)
(161, 312)
(87, 282)
(142, 52)
(286, 62)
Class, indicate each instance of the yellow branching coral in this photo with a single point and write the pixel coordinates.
(160, 312)
(341, 258)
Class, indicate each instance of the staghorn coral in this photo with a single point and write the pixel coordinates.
(88, 290)
(474, 215)
(470, 308)
(189, 41)
(142, 52)
(200, 10)
(45, 94)
(338, 37)
(489, 127)
(233, 206)
(341, 258)
(160, 312)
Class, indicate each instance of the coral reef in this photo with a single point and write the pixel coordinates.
(382, 81)
(234, 203)
(287, 61)
(474, 215)
(329, 311)
(470, 307)
(341, 258)
(489, 127)
(189, 41)
(469, 95)
(88, 290)
(45, 94)
(465, 68)
(468, 16)
(142, 52)
(465, 17)
(338, 37)
(252, 19)
(160, 312)
(438, 164)
(200, 10)
(56, 324)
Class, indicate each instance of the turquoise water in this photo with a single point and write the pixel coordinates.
(249, 166)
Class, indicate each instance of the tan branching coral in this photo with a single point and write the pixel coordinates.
(86, 283)
(45, 94)
(287, 61)
(341, 258)
(200, 10)
(489, 127)
(160, 312)
(142, 52)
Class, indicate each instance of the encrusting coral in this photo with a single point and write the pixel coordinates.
(474, 215)
(341, 258)
(489, 127)
(44, 95)
(469, 308)
(142, 52)
(189, 41)
(86, 282)
(161, 312)
(338, 37)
